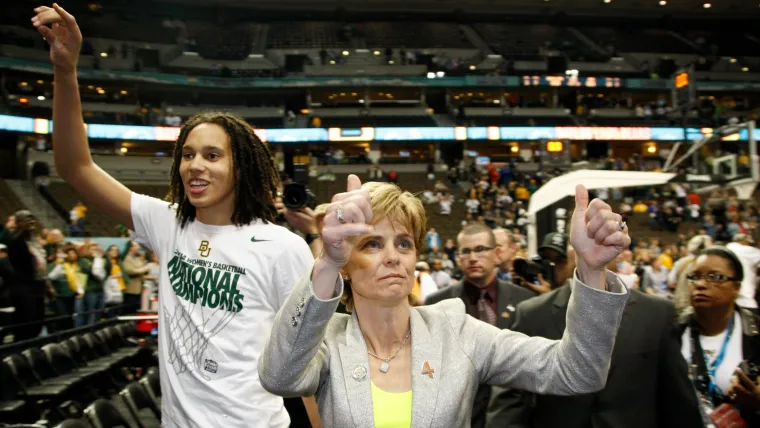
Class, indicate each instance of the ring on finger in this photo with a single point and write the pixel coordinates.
(621, 226)
(339, 214)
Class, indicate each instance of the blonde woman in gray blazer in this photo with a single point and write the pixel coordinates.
(393, 365)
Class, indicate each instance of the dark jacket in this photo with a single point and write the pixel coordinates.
(647, 386)
(24, 280)
(508, 296)
(6, 276)
(750, 349)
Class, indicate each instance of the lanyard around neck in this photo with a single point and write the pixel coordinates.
(713, 367)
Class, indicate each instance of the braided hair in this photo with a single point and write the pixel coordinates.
(256, 176)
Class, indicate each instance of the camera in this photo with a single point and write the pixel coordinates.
(296, 194)
(529, 269)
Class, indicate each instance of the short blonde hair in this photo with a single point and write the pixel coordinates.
(399, 206)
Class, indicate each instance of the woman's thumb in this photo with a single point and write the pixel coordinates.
(581, 198)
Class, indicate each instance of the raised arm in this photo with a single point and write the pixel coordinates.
(296, 359)
(579, 363)
(71, 152)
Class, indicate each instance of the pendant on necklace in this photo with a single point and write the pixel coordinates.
(384, 367)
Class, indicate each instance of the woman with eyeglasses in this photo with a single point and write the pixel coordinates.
(720, 340)
(391, 365)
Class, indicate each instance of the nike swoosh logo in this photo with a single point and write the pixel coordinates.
(259, 240)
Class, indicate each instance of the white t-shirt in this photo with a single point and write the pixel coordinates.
(445, 206)
(220, 288)
(472, 206)
(711, 345)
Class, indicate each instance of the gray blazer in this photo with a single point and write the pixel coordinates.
(313, 351)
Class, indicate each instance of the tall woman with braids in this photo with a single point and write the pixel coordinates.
(225, 267)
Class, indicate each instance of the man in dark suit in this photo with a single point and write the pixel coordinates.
(648, 383)
(485, 297)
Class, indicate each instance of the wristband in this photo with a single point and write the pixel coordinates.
(311, 237)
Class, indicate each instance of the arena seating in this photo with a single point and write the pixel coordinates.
(129, 28)
(415, 35)
(98, 223)
(9, 202)
(638, 40)
(295, 35)
(56, 380)
(723, 43)
(522, 41)
(223, 43)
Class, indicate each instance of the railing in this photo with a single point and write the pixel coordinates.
(54, 335)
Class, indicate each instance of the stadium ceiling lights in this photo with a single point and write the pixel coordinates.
(439, 74)
(707, 5)
(663, 3)
(608, 1)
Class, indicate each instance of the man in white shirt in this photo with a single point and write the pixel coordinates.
(225, 267)
(744, 248)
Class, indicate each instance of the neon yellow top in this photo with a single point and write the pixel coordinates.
(391, 410)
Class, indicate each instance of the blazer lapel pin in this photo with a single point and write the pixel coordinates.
(359, 372)
(506, 314)
(426, 370)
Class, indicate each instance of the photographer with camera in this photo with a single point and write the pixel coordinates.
(551, 269)
(298, 206)
(646, 359)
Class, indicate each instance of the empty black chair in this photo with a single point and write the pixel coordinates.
(63, 364)
(99, 348)
(84, 352)
(74, 423)
(111, 338)
(72, 347)
(102, 350)
(45, 371)
(104, 414)
(137, 399)
(13, 408)
(119, 335)
(151, 382)
(30, 384)
(89, 353)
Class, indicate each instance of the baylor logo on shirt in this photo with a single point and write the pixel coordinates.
(212, 285)
(204, 249)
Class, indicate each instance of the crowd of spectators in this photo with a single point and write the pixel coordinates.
(72, 281)
(498, 198)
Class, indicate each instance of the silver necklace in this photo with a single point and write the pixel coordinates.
(386, 365)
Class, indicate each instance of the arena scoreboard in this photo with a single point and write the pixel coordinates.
(684, 88)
